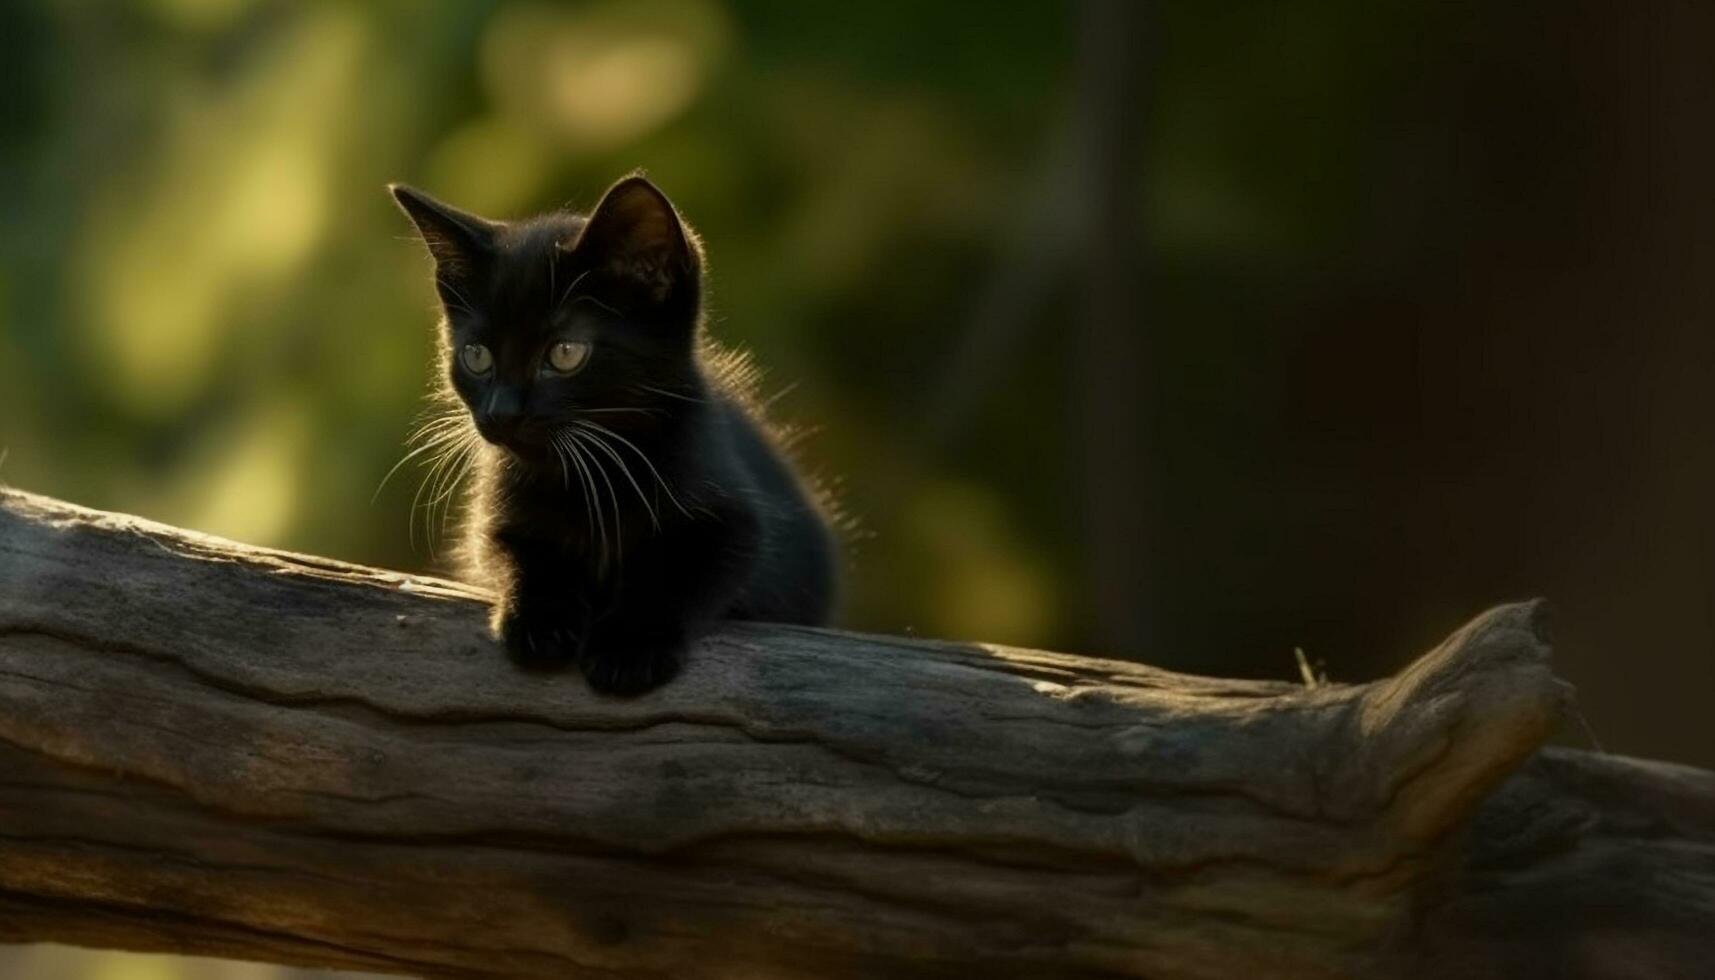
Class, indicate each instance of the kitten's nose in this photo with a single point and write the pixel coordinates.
(501, 414)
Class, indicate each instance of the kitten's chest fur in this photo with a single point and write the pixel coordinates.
(589, 513)
(714, 500)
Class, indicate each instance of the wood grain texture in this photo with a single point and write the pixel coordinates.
(210, 748)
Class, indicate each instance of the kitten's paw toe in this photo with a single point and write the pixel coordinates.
(538, 642)
(630, 669)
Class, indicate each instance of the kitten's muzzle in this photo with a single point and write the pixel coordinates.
(502, 430)
(519, 436)
(501, 417)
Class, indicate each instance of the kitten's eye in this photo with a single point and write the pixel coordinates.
(568, 355)
(476, 359)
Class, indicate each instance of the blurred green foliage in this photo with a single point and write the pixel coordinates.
(211, 315)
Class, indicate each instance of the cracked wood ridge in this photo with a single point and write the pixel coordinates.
(210, 748)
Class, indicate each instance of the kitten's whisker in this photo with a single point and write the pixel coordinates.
(613, 500)
(436, 425)
(585, 462)
(561, 442)
(453, 474)
(618, 516)
(574, 284)
(473, 446)
(600, 443)
(440, 480)
(430, 486)
(443, 448)
(395, 468)
(428, 417)
(435, 463)
(437, 468)
(440, 439)
(559, 454)
(587, 298)
(768, 402)
(672, 394)
(640, 455)
(635, 409)
(464, 304)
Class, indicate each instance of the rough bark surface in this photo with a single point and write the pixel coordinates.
(210, 748)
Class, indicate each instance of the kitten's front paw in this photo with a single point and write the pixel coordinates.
(627, 667)
(538, 642)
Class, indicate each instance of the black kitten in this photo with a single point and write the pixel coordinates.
(625, 497)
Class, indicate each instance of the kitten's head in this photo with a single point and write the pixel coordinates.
(561, 320)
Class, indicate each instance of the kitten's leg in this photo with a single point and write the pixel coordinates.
(630, 654)
(542, 617)
(639, 644)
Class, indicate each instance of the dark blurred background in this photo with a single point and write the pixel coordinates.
(1187, 331)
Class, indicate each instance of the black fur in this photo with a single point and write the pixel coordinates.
(613, 550)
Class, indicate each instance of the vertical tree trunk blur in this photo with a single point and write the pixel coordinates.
(1110, 380)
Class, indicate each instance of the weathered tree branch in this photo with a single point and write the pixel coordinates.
(217, 749)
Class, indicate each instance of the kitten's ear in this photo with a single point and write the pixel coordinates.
(459, 241)
(635, 235)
